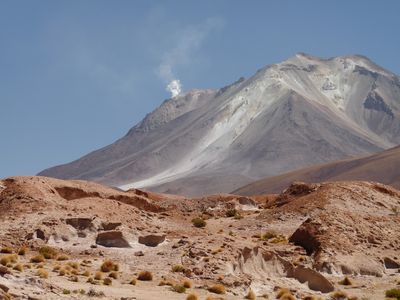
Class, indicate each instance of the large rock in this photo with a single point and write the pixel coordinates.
(307, 236)
(80, 223)
(152, 240)
(260, 263)
(112, 239)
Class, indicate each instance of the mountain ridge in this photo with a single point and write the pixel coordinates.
(286, 116)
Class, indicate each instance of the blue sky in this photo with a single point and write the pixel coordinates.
(76, 75)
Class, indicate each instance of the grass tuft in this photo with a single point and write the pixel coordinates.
(217, 289)
(145, 276)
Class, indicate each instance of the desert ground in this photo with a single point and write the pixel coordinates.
(79, 240)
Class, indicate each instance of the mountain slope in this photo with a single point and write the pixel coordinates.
(383, 167)
(298, 113)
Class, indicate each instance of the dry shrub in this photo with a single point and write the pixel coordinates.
(133, 281)
(18, 267)
(22, 251)
(38, 259)
(178, 268)
(217, 289)
(192, 297)
(62, 257)
(42, 273)
(48, 252)
(187, 284)
(8, 250)
(98, 275)
(199, 222)
(108, 266)
(145, 276)
(178, 288)
(251, 295)
(339, 295)
(107, 281)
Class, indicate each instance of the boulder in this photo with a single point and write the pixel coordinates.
(391, 263)
(112, 239)
(152, 240)
(80, 223)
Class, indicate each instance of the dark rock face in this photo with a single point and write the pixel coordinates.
(110, 225)
(152, 240)
(80, 223)
(112, 239)
(375, 102)
(306, 236)
(391, 263)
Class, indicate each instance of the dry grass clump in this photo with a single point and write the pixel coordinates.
(312, 298)
(48, 252)
(199, 222)
(192, 297)
(86, 273)
(279, 239)
(38, 259)
(64, 271)
(5, 260)
(217, 289)
(94, 293)
(7, 250)
(346, 281)
(393, 293)
(56, 268)
(178, 288)
(18, 267)
(165, 282)
(42, 273)
(73, 265)
(66, 292)
(22, 251)
(145, 276)
(178, 268)
(74, 272)
(284, 294)
(107, 281)
(339, 295)
(98, 275)
(187, 284)
(62, 257)
(91, 280)
(108, 266)
(287, 297)
(251, 295)
(74, 278)
(269, 235)
(133, 281)
(231, 213)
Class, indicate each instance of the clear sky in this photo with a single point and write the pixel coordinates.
(76, 75)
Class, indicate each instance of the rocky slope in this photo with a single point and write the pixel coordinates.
(301, 112)
(305, 240)
(382, 167)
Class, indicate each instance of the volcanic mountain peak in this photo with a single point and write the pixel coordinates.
(297, 113)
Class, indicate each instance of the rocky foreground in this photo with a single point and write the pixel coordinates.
(78, 240)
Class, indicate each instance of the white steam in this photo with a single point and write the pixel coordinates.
(185, 43)
(174, 87)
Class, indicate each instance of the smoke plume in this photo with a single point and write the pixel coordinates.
(174, 87)
(185, 43)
